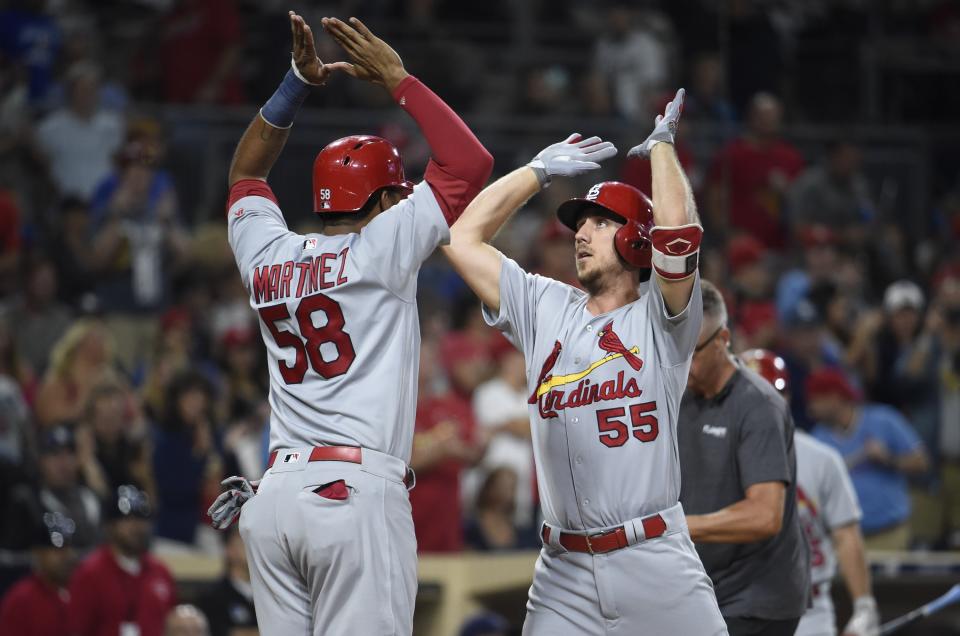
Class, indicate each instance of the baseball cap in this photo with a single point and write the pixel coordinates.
(53, 530)
(901, 295)
(817, 236)
(128, 501)
(743, 251)
(57, 438)
(828, 381)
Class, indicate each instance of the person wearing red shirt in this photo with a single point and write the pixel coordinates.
(750, 175)
(120, 588)
(37, 605)
(443, 445)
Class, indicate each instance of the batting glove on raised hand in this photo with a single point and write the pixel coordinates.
(865, 620)
(226, 508)
(664, 127)
(571, 157)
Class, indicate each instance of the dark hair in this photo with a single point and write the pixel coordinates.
(350, 218)
(183, 383)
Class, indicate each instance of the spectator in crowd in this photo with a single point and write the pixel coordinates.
(31, 38)
(59, 490)
(819, 262)
(10, 219)
(15, 431)
(750, 271)
(121, 588)
(186, 620)
(443, 445)
(229, 605)
(899, 366)
(469, 350)
(79, 140)
(81, 359)
(39, 317)
(186, 459)
(750, 175)
(493, 524)
(200, 52)
(500, 409)
(37, 605)
(834, 194)
(137, 240)
(69, 247)
(706, 100)
(173, 354)
(880, 449)
(631, 57)
(806, 347)
(112, 442)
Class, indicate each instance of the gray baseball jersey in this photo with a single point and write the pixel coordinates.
(605, 392)
(604, 396)
(338, 316)
(825, 500)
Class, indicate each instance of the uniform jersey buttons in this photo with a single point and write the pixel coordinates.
(589, 327)
(579, 459)
(586, 502)
(576, 419)
(576, 360)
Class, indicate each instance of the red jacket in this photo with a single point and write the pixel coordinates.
(103, 596)
(33, 607)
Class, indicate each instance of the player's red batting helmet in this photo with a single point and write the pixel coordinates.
(349, 170)
(631, 206)
(769, 365)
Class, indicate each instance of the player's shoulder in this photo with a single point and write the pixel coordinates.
(757, 391)
(809, 446)
(542, 285)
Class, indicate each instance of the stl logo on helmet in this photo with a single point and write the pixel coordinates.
(594, 193)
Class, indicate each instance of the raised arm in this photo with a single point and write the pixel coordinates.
(677, 234)
(267, 134)
(470, 251)
(460, 165)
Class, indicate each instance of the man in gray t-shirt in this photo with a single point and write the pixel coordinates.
(738, 485)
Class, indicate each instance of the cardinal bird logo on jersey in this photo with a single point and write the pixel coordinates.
(550, 398)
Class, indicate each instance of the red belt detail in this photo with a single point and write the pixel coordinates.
(608, 541)
(352, 454)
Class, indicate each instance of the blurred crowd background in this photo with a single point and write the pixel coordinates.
(820, 136)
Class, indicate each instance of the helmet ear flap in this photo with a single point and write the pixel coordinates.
(633, 245)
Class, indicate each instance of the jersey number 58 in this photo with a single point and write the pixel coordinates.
(308, 347)
(615, 432)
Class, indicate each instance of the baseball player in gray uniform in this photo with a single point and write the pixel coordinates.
(329, 535)
(606, 369)
(830, 517)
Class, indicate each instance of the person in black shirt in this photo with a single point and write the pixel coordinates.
(738, 474)
(229, 605)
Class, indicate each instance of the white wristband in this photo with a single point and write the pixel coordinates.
(300, 77)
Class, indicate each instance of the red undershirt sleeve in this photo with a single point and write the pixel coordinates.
(460, 165)
(249, 188)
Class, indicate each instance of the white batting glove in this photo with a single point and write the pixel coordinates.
(665, 127)
(865, 620)
(571, 157)
(226, 508)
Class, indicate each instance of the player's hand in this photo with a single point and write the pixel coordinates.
(373, 59)
(865, 620)
(573, 156)
(226, 508)
(305, 53)
(664, 127)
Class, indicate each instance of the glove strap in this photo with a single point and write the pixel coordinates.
(543, 178)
